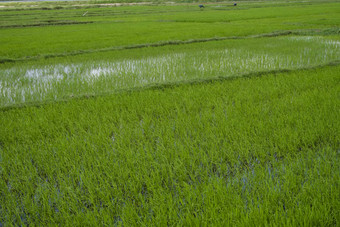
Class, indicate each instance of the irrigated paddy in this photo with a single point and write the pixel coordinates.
(33, 82)
(170, 115)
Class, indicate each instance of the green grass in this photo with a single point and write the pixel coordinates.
(117, 26)
(249, 150)
(165, 114)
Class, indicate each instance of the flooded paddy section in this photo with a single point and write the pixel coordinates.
(30, 83)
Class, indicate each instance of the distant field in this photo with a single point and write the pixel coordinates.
(167, 114)
(27, 33)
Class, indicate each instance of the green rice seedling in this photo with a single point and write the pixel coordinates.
(50, 32)
(31, 82)
(261, 150)
(169, 115)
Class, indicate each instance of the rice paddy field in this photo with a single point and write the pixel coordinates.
(165, 114)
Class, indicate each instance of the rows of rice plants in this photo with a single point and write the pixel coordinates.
(225, 116)
(247, 151)
(115, 26)
(33, 82)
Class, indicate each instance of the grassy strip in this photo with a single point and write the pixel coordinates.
(258, 150)
(176, 42)
(138, 46)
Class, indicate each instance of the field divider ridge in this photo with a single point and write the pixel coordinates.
(138, 46)
(327, 31)
(46, 24)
